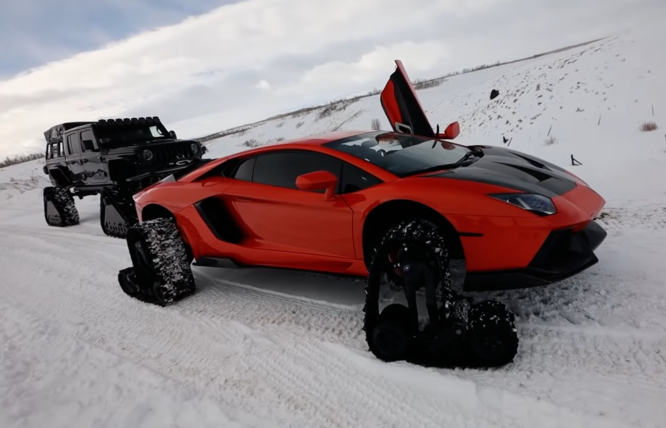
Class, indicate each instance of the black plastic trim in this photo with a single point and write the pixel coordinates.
(183, 169)
(217, 262)
(551, 187)
(513, 170)
(218, 219)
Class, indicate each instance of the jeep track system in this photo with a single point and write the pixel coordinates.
(59, 207)
(116, 212)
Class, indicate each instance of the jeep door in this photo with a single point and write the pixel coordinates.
(73, 158)
(95, 168)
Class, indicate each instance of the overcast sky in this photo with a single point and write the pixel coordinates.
(208, 65)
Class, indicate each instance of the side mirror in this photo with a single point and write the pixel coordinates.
(318, 180)
(172, 134)
(451, 132)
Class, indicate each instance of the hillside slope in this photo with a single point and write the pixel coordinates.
(591, 100)
(269, 348)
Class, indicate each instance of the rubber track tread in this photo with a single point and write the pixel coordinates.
(169, 255)
(63, 201)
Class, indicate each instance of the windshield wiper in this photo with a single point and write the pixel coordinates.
(460, 162)
(432, 168)
(466, 157)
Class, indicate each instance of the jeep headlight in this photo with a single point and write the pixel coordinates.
(195, 148)
(535, 203)
(147, 154)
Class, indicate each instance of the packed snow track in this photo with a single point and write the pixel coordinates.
(267, 348)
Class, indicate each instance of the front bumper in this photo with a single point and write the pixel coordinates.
(164, 172)
(563, 254)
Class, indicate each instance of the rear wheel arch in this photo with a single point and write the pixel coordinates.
(153, 211)
(387, 215)
(59, 177)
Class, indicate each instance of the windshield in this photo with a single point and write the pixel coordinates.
(401, 154)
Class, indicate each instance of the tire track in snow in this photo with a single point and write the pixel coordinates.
(170, 347)
(604, 374)
(34, 380)
(645, 217)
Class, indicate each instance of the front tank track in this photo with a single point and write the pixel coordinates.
(161, 270)
(423, 320)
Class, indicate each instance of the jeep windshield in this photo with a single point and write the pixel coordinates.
(403, 154)
(130, 134)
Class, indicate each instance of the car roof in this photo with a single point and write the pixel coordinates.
(311, 140)
(320, 139)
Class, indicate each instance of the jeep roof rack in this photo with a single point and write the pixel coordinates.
(126, 121)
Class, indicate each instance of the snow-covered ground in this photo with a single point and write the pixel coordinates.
(270, 348)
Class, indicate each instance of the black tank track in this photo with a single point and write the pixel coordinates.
(117, 213)
(461, 331)
(59, 207)
(169, 278)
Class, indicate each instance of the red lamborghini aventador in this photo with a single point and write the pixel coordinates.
(326, 202)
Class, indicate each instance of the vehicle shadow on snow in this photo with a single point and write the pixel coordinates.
(322, 288)
(564, 303)
(331, 306)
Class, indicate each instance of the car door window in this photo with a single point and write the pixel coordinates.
(88, 142)
(245, 169)
(282, 169)
(355, 179)
(73, 144)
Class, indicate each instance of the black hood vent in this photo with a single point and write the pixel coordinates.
(513, 170)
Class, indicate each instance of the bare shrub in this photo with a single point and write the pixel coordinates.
(20, 159)
(251, 143)
(279, 125)
(299, 124)
(375, 124)
(550, 140)
(648, 126)
(235, 131)
(335, 105)
(429, 83)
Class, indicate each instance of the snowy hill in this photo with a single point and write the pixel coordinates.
(273, 348)
(592, 100)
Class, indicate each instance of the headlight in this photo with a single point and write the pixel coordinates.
(537, 204)
(147, 154)
(195, 148)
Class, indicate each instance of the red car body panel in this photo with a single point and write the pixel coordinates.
(300, 229)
